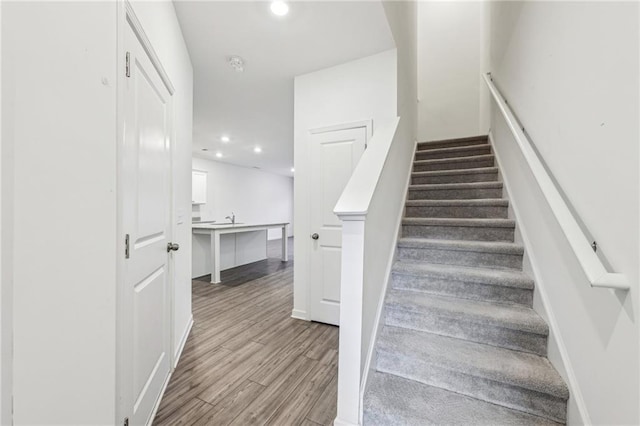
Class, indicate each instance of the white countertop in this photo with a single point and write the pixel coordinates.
(227, 225)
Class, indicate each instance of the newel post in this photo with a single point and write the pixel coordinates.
(351, 293)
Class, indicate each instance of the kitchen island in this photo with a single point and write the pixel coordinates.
(219, 246)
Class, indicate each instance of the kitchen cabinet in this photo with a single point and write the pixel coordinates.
(198, 187)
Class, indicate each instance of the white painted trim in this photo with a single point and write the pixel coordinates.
(591, 264)
(148, 47)
(300, 314)
(121, 25)
(127, 18)
(339, 422)
(357, 194)
(368, 124)
(183, 341)
(574, 388)
(378, 320)
(6, 339)
(351, 290)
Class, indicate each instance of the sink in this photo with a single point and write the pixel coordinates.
(237, 223)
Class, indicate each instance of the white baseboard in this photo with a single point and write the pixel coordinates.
(338, 422)
(183, 342)
(574, 388)
(299, 314)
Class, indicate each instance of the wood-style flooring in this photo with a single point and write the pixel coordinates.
(247, 361)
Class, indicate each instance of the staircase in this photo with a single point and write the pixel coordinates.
(460, 343)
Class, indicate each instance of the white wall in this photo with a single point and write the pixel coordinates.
(63, 139)
(371, 208)
(387, 205)
(574, 86)
(61, 65)
(163, 29)
(6, 314)
(253, 195)
(450, 60)
(363, 89)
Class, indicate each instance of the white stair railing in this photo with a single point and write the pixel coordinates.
(593, 267)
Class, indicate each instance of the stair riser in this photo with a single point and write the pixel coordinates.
(422, 146)
(467, 290)
(468, 152)
(453, 165)
(473, 233)
(507, 395)
(462, 328)
(455, 194)
(462, 258)
(458, 178)
(462, 212)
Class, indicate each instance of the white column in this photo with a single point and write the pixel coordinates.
(285, 242)
(350, 348)
(215, 256)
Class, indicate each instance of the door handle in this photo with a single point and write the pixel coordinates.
(315, 236)
(172, 247)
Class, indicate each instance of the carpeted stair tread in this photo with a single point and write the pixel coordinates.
(448, 186)
(439, 221)
(506, 366)
(455, 149)
(452, 152)
(472, 140)
(470, 229)
(469, 208)
(478, 158)
(463, 245)
(394, 401)
(498, 277)
(506, 316)
(478, 170)
(501, 202)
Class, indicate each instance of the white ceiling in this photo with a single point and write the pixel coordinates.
(255, 107)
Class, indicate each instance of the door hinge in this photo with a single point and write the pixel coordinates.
(127, 65)
(126, 246)
(126, 421)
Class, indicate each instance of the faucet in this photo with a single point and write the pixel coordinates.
(232, 218)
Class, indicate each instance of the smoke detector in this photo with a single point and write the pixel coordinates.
(237, 63)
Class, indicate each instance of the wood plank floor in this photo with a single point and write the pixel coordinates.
(247, 361)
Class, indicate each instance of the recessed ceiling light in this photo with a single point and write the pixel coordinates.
(257, 150)
(219, 154)
(293, 170)
(279, 8)
(225, 139)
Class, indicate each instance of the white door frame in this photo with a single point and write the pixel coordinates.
(127, 17)
(368, 124)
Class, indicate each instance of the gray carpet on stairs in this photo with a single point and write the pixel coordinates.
(460, 342)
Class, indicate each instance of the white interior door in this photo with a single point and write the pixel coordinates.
(146, 210)
(334, 156)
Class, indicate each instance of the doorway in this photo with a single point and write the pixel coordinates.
(335, 152)
(145, 308)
